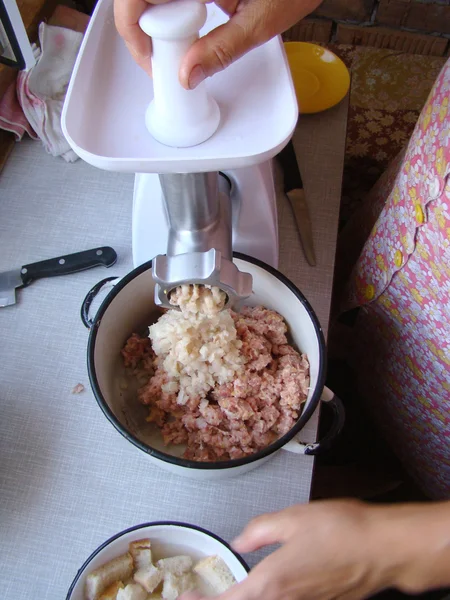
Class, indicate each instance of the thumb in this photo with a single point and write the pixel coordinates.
(217, 50)
(264, 531)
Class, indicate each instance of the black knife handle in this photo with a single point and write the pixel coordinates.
(65, 265)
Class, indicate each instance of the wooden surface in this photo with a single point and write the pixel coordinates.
(33, 12)
(7, 76)
(6, 146)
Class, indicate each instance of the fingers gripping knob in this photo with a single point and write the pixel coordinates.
(177, 117)
(175, 20)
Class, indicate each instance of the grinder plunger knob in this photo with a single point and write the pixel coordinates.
(177, 117)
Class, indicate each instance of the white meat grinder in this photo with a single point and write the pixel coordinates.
(203, 158)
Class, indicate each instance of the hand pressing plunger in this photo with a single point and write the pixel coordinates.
(252, 23)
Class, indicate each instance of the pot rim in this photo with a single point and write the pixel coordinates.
(192, 464)
(116, 536)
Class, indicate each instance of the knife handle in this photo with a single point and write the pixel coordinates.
(71, 263)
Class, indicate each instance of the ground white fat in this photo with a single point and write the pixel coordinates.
(198, 351)
(198, 299)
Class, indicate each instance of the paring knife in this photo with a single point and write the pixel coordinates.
(62, 265)
(293, 188)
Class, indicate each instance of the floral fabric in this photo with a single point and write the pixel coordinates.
(388, 92)
(402, 283)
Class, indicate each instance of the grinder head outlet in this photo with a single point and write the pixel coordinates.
(202, 268)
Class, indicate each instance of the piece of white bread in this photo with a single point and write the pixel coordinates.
(149, 578)
(111, 592)
(118, 569)
(141, 552)
(174, 586)
(176, 565)
(133, 591)
(215, 572)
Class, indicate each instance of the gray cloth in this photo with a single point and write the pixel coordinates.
(68, 480)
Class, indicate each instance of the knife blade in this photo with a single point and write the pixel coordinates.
(61, 265)
(293, 188)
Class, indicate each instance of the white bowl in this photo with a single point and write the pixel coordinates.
(168, 539)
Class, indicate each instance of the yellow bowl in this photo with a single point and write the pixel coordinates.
(320, 78)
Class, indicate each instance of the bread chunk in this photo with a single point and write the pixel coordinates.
(118, 569)
(149, 578)
(176, 565)
(141, 553)
(175, 586)
(111, 592)
(133, 591)
(215, 572)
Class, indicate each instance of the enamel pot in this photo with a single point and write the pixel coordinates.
(129, 307)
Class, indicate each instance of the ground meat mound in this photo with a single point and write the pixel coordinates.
(137, 354)
(237, 418)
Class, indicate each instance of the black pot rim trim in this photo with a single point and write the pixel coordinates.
(226, 464)
(142, 526)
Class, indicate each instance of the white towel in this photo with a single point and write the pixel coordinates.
(42, 89)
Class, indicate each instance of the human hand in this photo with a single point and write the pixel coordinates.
(344, 549)
(324, 554)
(252, 23)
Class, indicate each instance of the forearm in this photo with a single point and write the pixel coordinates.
(413, 541)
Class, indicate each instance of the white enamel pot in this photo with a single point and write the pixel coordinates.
(168, 538)
(129, 307)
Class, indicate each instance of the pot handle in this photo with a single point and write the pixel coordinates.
(90, 296)
(323, 445)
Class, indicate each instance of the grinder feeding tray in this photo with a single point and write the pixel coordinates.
(206, 187)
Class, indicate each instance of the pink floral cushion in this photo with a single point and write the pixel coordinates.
(402, 282)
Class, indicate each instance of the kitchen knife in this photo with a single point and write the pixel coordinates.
(62, 265)
(293, 188)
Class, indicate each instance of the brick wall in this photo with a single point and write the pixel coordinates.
(415, 26)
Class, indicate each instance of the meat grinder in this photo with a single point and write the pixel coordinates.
(204, 184)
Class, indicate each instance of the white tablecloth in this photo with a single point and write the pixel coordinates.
(68, 480)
